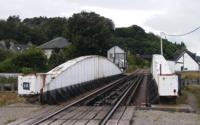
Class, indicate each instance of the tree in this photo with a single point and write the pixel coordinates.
(4, 54)
(33, 59)
(133, 31)
(137, 41)
(56, 59)
(90, 33)
(14, 19)
(62, 56)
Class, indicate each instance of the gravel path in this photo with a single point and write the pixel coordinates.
(141, 117)
(13, 112)
(151, 117)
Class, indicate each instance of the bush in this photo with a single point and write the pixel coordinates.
(4, 54)
(62, 56)
(136, 62)
(33, 59)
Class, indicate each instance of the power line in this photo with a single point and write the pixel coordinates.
(184, 34)
(165, 34)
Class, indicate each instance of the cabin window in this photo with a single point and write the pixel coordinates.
(26, 86)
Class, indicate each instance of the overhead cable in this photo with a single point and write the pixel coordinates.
(184, 34)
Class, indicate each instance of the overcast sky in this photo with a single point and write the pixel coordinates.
(170, 16)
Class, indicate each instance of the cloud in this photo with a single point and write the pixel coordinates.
(125, 4)
(32, 8)
(171, 16)
(123, 18)
(182, 17)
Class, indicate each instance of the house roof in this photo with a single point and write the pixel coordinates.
(19, 47)
(198, 58)
(116, 48)
(192, 55)
(58, 42)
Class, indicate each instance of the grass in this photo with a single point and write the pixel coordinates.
(195, 90)
(183, 98)
(7, 98)
(190, 75)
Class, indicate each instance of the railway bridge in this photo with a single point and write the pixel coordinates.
(108, 97)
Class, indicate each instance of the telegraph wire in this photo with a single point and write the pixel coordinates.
(184, 34)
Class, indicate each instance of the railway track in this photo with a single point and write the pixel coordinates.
(98, 106)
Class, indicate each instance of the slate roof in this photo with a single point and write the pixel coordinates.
(198, 58)
(180, 53)
(57, 43)
(19, 47)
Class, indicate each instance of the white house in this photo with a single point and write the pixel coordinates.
(186, 61)
(117, 56)
(54, 45)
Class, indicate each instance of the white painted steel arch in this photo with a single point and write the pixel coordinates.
(72, 72)
(79, 70)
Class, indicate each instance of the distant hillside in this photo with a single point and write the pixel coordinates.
(89, 33)
(39, 30)
(137, 41)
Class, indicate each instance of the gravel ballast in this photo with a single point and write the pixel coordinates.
(153, 117)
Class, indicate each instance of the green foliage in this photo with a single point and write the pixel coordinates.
(70, 52)
(37, 30)
(56, 59)
(132, 31)
(31, 60)
(14, 19)
(62, 56)
(4, 54)
(136, 63)
(27, 70)
(90, 33)
(137, 41)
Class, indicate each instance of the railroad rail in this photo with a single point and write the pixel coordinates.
(132, 86)
(113, 95)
